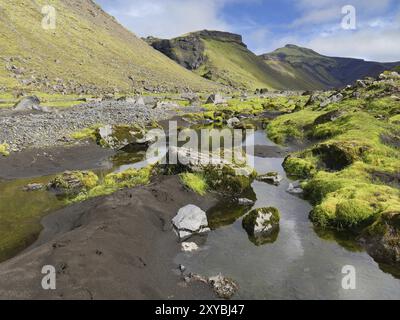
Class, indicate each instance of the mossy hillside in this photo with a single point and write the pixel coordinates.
(291, 127)
(231, 63)
(195, 182)
(101, 53)
(306, 69)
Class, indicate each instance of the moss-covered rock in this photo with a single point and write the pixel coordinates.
(220, 174)
(72, 183)
(382, 239)
(118, 137)
(4, 149)
(299, 168)
(262, 225)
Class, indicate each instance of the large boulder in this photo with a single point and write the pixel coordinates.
(191, 97)
(262, 225)
(216, 99)
(31, 103)
(221, 174)
(329, 117)
(337, 97)
(189, 221)
(119, 137)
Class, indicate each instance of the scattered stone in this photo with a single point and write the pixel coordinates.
(295, 188)
(33, 187)
(233, 123)
(189, 246)
(272, 178)
(337, 97)
(127, 100)
(191, 97)
(245, 202)
(189, 221)
(216, 99)
(182, 268)
(224, 288)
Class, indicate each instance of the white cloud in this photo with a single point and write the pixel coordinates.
(317, 26)
(327, 11)
(170, 18)
(367, 43)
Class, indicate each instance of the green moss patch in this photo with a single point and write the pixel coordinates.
(195, 182)
(4, 149)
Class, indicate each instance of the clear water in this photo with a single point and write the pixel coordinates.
(299, 265)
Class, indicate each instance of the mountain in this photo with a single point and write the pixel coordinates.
(224, 58)
(309, 69)
(87, 51)
(221, 57)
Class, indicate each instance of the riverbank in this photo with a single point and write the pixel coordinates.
(119, 247)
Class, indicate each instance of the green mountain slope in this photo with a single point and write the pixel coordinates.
(224, 58)
(308, 69)
(221, 57)
(88, 51)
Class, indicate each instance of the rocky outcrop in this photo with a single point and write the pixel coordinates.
(216, 99)
(31, 103)
(221, 173)
(189, 221)
(189, 50)
(329, 117)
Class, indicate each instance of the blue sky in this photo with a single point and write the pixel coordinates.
(269, 24)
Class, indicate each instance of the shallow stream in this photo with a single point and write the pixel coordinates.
(303, 263)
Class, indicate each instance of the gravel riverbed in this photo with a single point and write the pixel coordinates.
(47, 129)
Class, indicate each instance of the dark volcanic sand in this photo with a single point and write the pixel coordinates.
(42, 162)
(116, 247)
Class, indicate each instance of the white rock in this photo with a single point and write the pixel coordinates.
(295, 188)
(189, 246)
(190, 220)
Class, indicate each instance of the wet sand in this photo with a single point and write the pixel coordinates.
(42, 162)
(116, 247)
